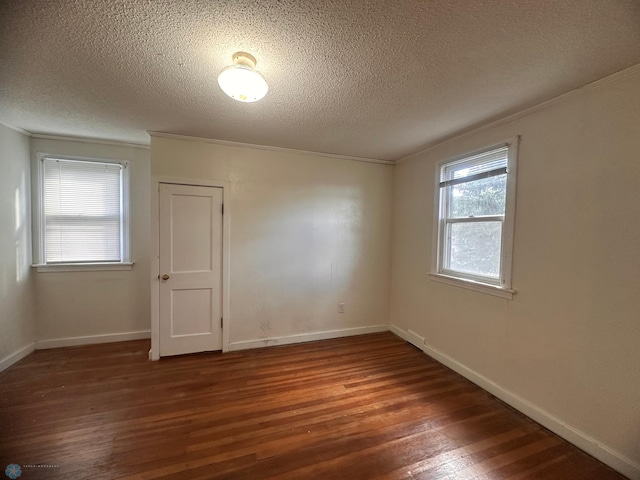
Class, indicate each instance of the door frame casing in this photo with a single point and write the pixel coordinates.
(154, 353)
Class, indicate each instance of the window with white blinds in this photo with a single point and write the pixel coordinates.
(475, 215)
(83, 211)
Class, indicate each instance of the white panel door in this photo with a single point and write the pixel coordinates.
(190, 269)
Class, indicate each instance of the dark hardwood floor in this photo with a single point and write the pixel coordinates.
(367, 407)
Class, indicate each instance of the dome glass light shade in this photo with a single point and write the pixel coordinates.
(242, 83)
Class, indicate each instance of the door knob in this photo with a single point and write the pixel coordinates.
(165, 277)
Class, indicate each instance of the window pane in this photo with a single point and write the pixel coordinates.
(482, 197)
(83, 211)
(475, 248)
(90, 241)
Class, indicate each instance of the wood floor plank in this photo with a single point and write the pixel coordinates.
(365, 407)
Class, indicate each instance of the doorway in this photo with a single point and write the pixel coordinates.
(190, 264)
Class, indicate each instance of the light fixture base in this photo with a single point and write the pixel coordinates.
(244, 58)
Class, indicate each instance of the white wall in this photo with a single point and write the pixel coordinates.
(88, 304)
(17, 306)
(568, 344)
(307, 232)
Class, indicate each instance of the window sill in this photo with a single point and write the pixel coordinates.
(475, 286)
(82, 267)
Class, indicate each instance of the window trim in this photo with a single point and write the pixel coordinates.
(39, 220)
(503, 286)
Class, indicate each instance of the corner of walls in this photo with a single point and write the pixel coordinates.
(397, 331)
(17, 298)
(391, 234)
(16, 356)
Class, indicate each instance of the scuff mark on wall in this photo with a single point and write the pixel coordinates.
(266, 326)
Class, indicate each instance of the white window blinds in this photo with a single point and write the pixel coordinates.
(83, 211)
(477, 167)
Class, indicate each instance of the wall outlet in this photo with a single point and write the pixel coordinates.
(341, 308)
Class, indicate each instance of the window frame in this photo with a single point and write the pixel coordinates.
(502, 286)
(39, 220)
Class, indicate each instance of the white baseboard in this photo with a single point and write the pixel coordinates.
(398, 332)
(92, 339)
(305, 337)
(16, 356)
(409, 336)
(580, 439)
(414, 339)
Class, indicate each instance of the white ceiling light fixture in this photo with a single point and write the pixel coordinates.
(241, 81)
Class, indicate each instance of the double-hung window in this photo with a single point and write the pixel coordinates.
(83, 212)
(474, 219)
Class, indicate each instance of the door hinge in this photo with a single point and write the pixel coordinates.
(221, 322)
(223, 208)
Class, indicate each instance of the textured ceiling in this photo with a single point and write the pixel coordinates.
(377, 79)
